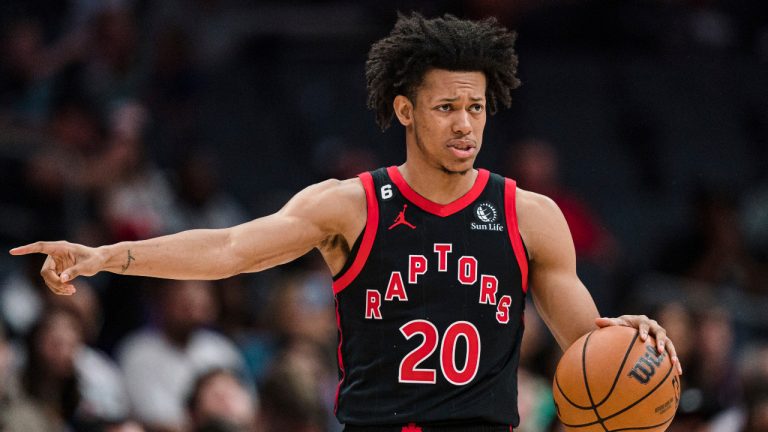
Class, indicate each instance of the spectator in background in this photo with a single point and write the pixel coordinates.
(712, 385)
(241, 308)
(24, 304)
(16, 412)
(534, 163)
(101, 382)
(160, 364)
(302, 310)
(751, 413)
(138, 202)
(297, 309)
(95, 171)
(678, 319)
(66, 169)
(218, 396)
(713, 252)
(86, 308)
(87, 151)
(291, 394)
(299, 328)
(202, 203)
(28, 69)
(173, 91)
(22, 297)
(23, 97)
(49, 378)
(72, 383)
(114, 71)
(304, 320)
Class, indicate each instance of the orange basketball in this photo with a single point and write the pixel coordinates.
(609, 380)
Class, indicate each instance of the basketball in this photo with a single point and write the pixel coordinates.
(610, 380)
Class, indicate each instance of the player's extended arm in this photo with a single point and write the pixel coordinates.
(561, 298)
(314, 215)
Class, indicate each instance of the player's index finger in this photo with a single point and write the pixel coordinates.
(37, 247)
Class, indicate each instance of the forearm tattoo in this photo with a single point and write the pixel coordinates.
(128, 262)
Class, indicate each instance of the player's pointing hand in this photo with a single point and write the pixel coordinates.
(65, 262)
(646, 326)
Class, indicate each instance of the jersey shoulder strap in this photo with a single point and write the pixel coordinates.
(368, 235)
(510, 210)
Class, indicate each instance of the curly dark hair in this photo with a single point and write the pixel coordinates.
(397, 64)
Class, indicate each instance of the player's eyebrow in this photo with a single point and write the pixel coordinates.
(454, 99)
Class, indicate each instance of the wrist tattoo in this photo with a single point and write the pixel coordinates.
(128, 262)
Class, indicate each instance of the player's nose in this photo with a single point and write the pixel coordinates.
(461, 123)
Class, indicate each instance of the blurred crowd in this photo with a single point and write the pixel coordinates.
(127, 119)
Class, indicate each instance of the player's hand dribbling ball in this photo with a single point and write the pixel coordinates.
(610, 380)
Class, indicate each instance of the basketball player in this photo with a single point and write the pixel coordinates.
(432, 259)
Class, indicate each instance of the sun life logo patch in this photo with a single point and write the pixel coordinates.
(486, 213)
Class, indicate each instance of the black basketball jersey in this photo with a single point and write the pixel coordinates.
(430, 306)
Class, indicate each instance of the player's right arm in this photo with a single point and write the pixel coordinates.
(322, 215)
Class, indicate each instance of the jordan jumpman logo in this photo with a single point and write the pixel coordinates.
(400, 219)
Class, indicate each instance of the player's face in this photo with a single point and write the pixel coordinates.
(449, 118)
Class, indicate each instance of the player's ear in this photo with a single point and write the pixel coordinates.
(403, 110)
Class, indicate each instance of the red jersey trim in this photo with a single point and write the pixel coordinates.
(441, 210)
(510, 189)
(369, 234)
(340, 360)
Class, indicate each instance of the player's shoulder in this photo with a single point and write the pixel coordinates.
(330, 203)
(341, 191)
(542, 225)
(336, 206)
(532, 205)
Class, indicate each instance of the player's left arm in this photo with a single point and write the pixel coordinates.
(561, 299)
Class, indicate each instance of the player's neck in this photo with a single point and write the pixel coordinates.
(435, 184)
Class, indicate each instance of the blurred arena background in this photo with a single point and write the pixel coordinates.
(646, 120)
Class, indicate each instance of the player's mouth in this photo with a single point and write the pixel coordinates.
(462, 148)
